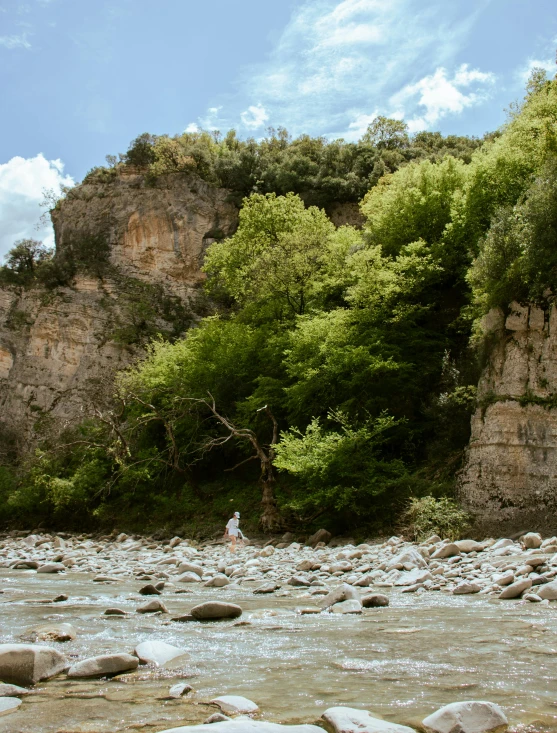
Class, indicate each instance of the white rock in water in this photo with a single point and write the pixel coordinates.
(344, 593)
(466, 588)
(106, 664)
(467, 717)
(235, 704)
(516, 589)
(502, 543)
(469, 546)
(449, 550)
(245, 726)
(353, 720)
(217, 581)
(413, 576)
(548, 591)
(532, 540)
(52, 567)
(26, 664)
(409, 559)
(187, 567)
(9, 705)
(157, 652)
(350, 606)
(12, 690)
(189, 577)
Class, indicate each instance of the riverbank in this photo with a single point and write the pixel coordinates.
(304, 641)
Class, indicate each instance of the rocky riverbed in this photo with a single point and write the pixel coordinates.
(122, 633)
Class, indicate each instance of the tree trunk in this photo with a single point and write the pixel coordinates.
(270, 520)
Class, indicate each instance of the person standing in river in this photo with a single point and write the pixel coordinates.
(233, 531)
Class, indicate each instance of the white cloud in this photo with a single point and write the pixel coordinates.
(338, 62)
(435, 96)
(15, 41)
(192, 127)
(22, 182)
(526, 69)
(359, 125)
(254, 116)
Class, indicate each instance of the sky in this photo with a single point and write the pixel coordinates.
(79, 79)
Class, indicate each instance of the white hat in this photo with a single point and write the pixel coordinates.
(237, 514)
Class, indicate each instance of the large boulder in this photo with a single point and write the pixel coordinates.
(548, 591)
(52, 567)
(215, 610)
(27, 664)
(353, 720)
(188, 567)
(408, 559)
(244, 726)
(344, 593)
(448, 550)
(474, 716)
(106, 665)
(531, 540)
(375, 600)
(217, 581)
(516, 589)
(157, 652)
(235, 704)
(320, 536)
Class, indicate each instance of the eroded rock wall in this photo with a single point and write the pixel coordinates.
(509, 480)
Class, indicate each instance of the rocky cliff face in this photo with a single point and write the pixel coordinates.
(59, 348)
(510, 477)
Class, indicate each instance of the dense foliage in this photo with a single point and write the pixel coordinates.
(356, 342)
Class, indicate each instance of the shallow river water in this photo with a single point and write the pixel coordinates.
(400, 662)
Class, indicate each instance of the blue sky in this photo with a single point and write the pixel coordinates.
(80, 78)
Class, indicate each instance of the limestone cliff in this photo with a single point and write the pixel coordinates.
(510, 476)
(60, 347)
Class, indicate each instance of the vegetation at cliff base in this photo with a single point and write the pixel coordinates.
(335, 378)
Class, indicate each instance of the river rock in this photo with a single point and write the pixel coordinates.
(409, 559)
(189, 577)
(217, 718)
(217, 581)
(466, 588)
(266, 588)
(467, 717)
(55, 632)
(375, 600)
(155, 606)
(180, 689)
(9, 705)
(157, 652)
(548, 591)
(448, 550)
(344, 593)
(320, 536)
(531, 540)
(187, 567)
(214, 610)
(52, 567)
(245, 726)
(467, 546)
(235, 704)
(115, 612)
(350, 606)
(12, 690)
(25, 565)
(149, 590)
(516, 589)
(105, 665)
(353, 720)
(413, 576)
(26, 664)
(299, 581)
